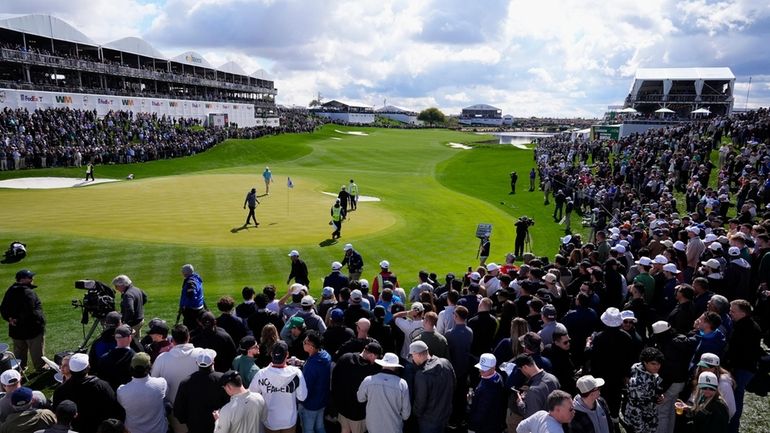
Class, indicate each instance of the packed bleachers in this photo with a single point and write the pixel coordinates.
(66, 137)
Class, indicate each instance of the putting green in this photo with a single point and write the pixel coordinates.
(202, 209)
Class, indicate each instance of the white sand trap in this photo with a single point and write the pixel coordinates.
(459, 146)
(49, 182)
(360, 197)
(335, 138)
(351, 132)
(521, 146)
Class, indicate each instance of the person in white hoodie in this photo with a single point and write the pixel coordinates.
(175, 366)
(281, 386)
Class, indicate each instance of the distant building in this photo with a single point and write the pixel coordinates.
(398, 114)
(508, 120)
(340, 111)
(481, 115)
(682, 90)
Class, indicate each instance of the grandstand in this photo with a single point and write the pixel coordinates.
(481, 115)
(47, 63)
(682, 90)
(345, 113)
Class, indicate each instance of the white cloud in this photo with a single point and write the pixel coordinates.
(550, 57)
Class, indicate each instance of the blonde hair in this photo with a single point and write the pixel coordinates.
(519, 327)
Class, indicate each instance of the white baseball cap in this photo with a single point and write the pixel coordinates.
(492, 267)
(294, 253)
(589, 383)
(336, 266)
(486, 362)
(715, 246)
(670, 267)
(10, 377)
(644, 261)
(734, 251)
(660, 259)
(204, 358)
(679, 245)
(347, 247)
(385, 264)
(712, 263)
(660, 326)
(78, 362)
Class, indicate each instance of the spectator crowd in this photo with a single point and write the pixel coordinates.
(64, 137)
(653, 324)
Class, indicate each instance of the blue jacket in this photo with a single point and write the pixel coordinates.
(192, 292)
(317, 372)
(488, 408)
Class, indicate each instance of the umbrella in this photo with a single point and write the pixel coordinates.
(701, 111)
(628, 110)
(664, 110)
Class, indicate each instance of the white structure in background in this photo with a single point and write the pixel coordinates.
(508, 120)
(348, 113)
(399, 114)
(481, 115)
(682, 90)
(47, 63)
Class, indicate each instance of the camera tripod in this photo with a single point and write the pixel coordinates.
(87, 335)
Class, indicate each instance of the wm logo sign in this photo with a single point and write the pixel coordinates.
(61, 99)
(127, 102)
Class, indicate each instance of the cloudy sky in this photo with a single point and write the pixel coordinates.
(530, 58)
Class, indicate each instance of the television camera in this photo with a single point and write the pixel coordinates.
(98, 301)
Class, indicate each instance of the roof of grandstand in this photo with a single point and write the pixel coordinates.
(232, 68)
(684, 74)
(135, 45)
(193, 59)
(481, 107)
(261, 74)
(393, 109)
(47, 26)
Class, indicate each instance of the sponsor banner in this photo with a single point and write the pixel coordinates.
(241, 114)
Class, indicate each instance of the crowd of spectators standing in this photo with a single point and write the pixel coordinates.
(64, 137)
(655, 323)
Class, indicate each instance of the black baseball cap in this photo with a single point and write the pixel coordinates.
(24, 273)
(279, 352)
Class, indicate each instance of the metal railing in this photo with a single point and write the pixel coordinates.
(45, 60)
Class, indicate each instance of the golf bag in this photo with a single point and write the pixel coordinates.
(15, 252)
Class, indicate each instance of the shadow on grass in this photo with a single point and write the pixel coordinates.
(327, 242)
(243, 227)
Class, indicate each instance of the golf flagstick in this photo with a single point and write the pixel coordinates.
(290, 185)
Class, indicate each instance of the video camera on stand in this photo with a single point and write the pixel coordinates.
(98, 301)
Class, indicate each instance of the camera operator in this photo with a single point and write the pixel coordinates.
(26, 322)
(132, 300)
(105, 342)
(522, 231)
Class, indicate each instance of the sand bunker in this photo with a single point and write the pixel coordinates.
(335, 138)
(49, 182)
(351, 132)
(459, 146)
(521, 146)
(360, 197)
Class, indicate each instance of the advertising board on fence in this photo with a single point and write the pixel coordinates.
(240, 114)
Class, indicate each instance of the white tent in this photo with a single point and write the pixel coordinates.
(629, 110)
(46, 26)
(701, 111)
(664, 110)
(135, 46)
